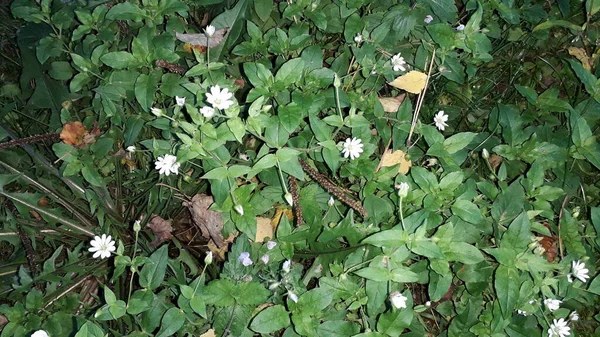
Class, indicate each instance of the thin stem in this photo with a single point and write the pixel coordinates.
(133, 270)
(401, 214)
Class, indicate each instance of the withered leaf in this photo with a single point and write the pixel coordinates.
(391, 104)
(202, 39)
(73, 133)
(263, 229)
(209, 222)
(161, 228)
(413, 82)
(390, 158)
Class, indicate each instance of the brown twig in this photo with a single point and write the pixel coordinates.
(332, 188)
(174, 68)
(296, 200)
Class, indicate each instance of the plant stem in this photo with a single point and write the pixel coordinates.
(401, 214)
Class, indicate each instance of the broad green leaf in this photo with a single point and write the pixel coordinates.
(290, 72)
(506, 284)
(219, 293)
(90, 329)
(392, 238)
(119, 60)
(126, 11)
(270, 319)
(145, 89)
(463, 252)
(556, 23)
(374, 274)
(467, 211)
(458, 141)
(154, 270)
(171, 322)
(251, 293)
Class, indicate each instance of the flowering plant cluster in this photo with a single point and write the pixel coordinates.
(340, 168)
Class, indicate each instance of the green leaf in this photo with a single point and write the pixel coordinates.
(61, 70)
(290, 72)
(258, 74)
(171, 322)
(506, 284)
(595, 286)
(320, 129)
(218, 173)
(140, 301)
(467, 211)
(556, 23)
(592, 7)
(458, 141)
(251, 293)
(394, 322)
(337, 328)
(463, 252)
(237, 127)
(90, 329)
(374, 273)
(145, 89)
(219, 293)
(154, 270)
(392, 238)
(263, 8)
(126, 11)
(119, 59)
(92, 176)
(442, 34)
(444, 9)
(270, 319)
(403, 275)
(518, 235)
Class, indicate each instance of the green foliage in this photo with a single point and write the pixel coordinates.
(503, 192)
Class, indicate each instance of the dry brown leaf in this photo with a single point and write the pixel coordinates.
(188, 48)
(161, 228)
(582, 56)
(73, 133)
(263, 229)
(495, 161)
(209, 333)
(390, 158)
(278, 213)
(219, 253)
(391, 104)
(209, 222)
(413, 82)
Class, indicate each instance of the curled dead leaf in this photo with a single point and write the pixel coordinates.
(390, 158)
(391, 104)
(161, 228)
(209, 222)
(264, 229)
(582, 56)
(495, 161)
(413, 82)
(73, 133)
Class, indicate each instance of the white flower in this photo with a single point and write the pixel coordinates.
(265, 259)
(156, 112)
(271, 244)
(318, 269)
(358, 38)
(180, 100)
(570, 278)
(522, 312)
(403, 189)
(40, 333)
(244, 258)
(167, 165)
(398, 300)
(428, 303)
(440, 120)
(353, 148)
(289, 199)
(137, 226)
(293, 296)
(485, 154)
(210, 30)
(428, 19)
(559, 328)
(243, 157)
(574, 316)
(131, 149)
(102, 246)
(552, 304)
(460, 27)
(580, 271)
(331, 202)
(208, 258)
(239, 208)
(398, 62)
(286, 266)
(219, 99)
(207, 111)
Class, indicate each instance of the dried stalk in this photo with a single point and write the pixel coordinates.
(51, 136)
(296, 200)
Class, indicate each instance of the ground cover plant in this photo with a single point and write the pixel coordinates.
(299, 168)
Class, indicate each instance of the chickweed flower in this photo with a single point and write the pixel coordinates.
(167, 165)
(428, 19)
(244, 258)
(559, 328)
(265, 259)
(398, 62)
(403, 189)
(574, 316)
(358, 38)
(102, 246)
(286, 266)
(352, 148)
(398, 300)
(156, 112)
(580, 271)
(210, 30)
(40, 333)
(460, 27)
(219, 98)
(271, 244)
(440, 120)
(552, 304)
(207, 111)
(293, 296)
(130, 149)
(180, 100)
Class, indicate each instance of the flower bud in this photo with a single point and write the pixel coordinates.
(403, 190)
(288, 197)
(485, 154)
(293, 296)
(331, 202)
(208, 258)
(156, 112)
(286, 266)
(336, 81)
(238, 208)
(137, 226)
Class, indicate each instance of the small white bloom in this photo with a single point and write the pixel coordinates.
(331, 202)
(208, 258)
(318, 269)
(570, 278)
(428, 303)
(137, 226)
(207, 111)
(239, 208)
(522, 312)
(580, 271)
(403, 189)
(440, 120)
(210, 30)
(167, 165)
(271, 244)
(398, 62)
(539, 250)
(428, 19)
(485, 154)
(130, 149)
(40, 333)
(574, 316)
(289, 199)
(265, 259)
(559, 328)
(156, 112)
(244, 258)
(358, 38)
(180, 100)
(398, 300)
(102, 246)
(219, 99)
(293, 296)
(460, 27)
(286, 266)
(552, 304)
(243, 157)
(353, 148)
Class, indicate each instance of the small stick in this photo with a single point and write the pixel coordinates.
(420, 103)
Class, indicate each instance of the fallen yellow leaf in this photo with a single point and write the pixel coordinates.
(263, 229)
(413, 82)
(390, 158)
(582, 56)
(209, 333)
(391, 104)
